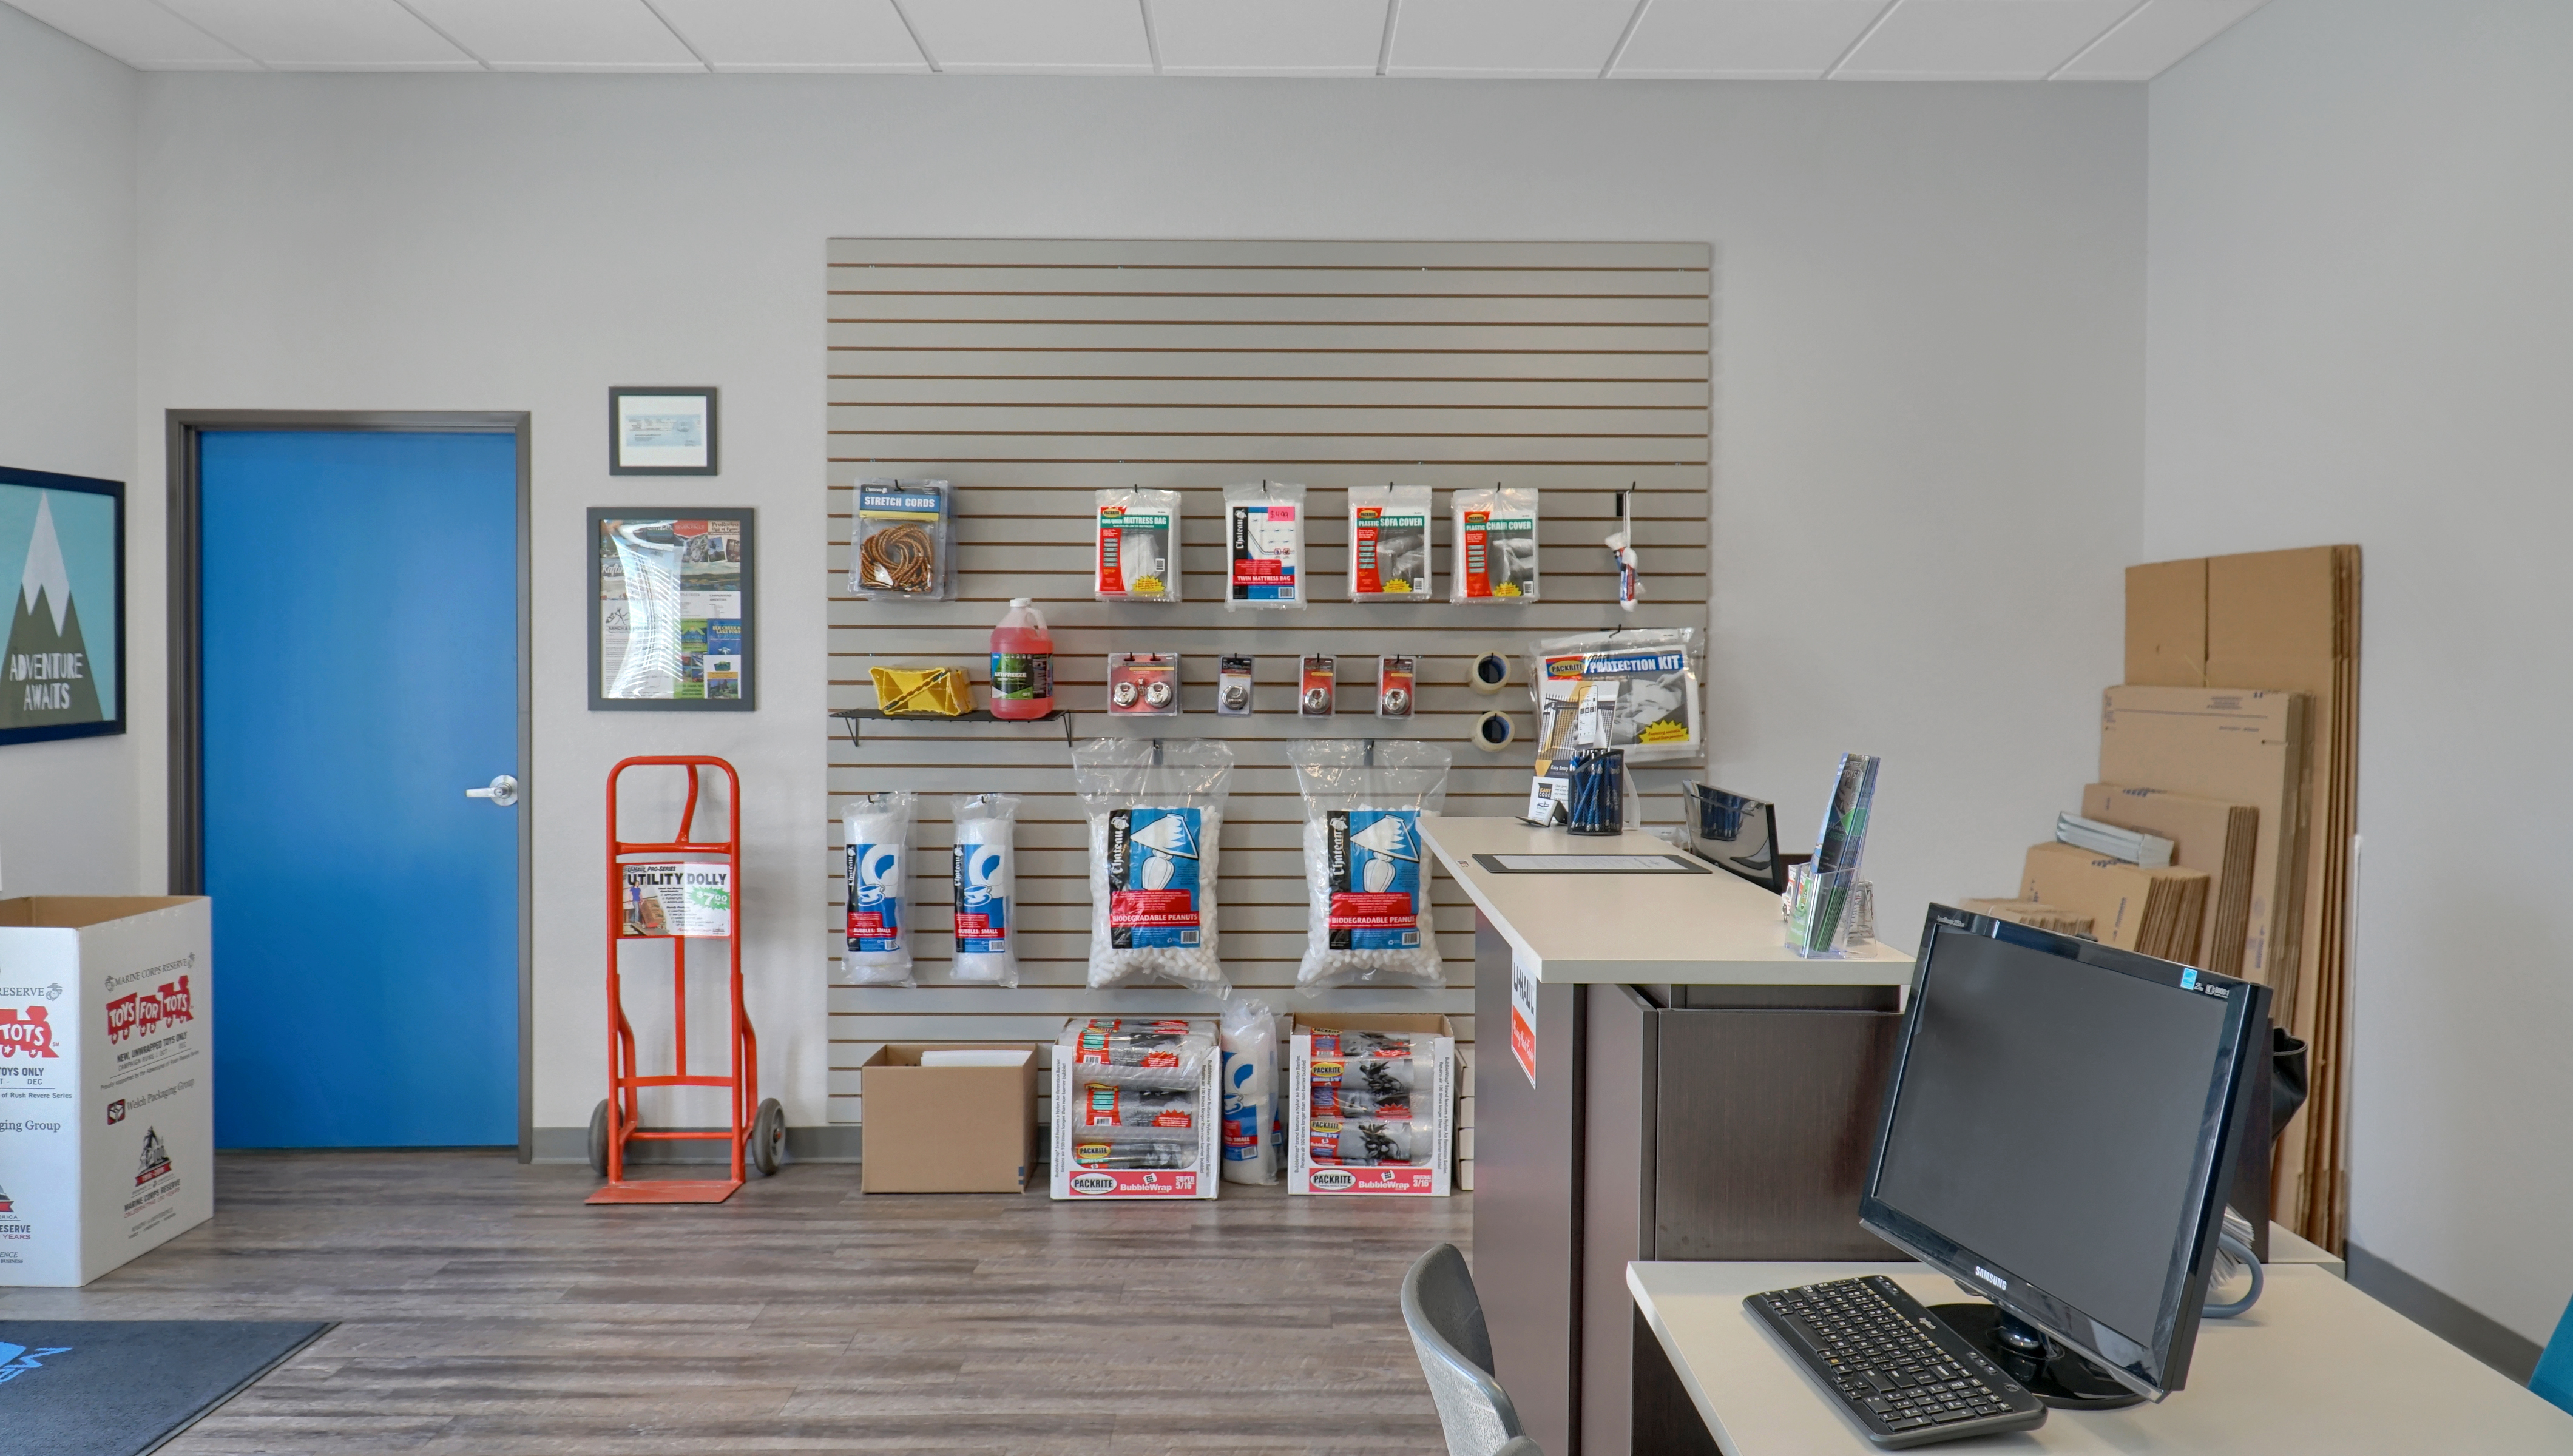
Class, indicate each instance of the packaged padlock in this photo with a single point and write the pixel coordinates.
(1395, 680)
(1313, 688)
(1144, 684)
(1232, 685)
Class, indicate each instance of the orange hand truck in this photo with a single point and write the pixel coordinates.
(653, 896)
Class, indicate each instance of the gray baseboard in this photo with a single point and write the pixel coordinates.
(835, 1143)
(2442, 1314)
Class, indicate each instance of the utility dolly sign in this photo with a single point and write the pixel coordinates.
(678, 900)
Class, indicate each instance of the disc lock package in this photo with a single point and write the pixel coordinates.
(1389, 542)
(987, 887)
(1144, 684)
(905, 544)
(1496, 546)
(1641, 685)
(1138, 558)
(1232, 685)
(1395, 680)
(1156, 814)
(877, 831)
(1264, 528)
(1313, 688)
(1366, 869)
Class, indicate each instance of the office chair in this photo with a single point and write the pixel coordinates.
(1445, 1318)
(2553, 1378)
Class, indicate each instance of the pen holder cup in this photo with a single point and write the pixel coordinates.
(1597, 791)
(1828, 916)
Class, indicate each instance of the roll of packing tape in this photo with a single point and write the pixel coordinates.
(1494, 732)
(1490, 674)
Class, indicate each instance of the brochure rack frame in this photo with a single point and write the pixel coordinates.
(755, 1137)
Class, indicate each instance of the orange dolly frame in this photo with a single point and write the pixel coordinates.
(757, 1138)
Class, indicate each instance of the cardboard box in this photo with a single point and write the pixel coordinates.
(947, 1130)
(2153, 912)
(107, 1106)
(2207, 833)
(1432, 1107)
(1204, 1148)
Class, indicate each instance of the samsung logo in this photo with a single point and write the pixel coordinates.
(1334, 1180)
(1093, 1184)
(1989, 1277)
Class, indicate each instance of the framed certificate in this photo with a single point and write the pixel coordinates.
(671, 621)
(660, 429)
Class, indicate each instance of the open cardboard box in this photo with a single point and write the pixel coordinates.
(1433, 1107)
(947, 1130)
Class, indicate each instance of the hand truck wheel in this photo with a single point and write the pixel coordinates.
(598, 1138)
(767, 1138)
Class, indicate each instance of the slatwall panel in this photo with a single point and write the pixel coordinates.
(1032, 372)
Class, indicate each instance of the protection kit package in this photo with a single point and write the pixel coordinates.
(1389, 542)
(1496, 546)
(1254, 1129)
(1263, 527)
(1367, 872)
(1156, 814)
(1640, 684)
(1134, 1109)
(905, 547)
(1372, 1104)
(987, 889)
(877, 831)
(1137, 556)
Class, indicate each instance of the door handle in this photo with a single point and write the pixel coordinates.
(503, 791)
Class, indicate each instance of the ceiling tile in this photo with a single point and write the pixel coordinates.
(1033, 35)
(795, 35)
(325, 35)
(2155, 38)
(1269, 37)
(561, 35)
(1508, 37)
(1979, 40)
(1730, 39)
(139, 33)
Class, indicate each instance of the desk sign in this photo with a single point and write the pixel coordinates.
(1523, 1017)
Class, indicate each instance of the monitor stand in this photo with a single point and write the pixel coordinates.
(2055, 1376)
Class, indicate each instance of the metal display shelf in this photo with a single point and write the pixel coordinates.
(852, 717)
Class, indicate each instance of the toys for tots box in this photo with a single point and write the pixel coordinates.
(1372, 1104)
(1138, 1109)
(107, 1111)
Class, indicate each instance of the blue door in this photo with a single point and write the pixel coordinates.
(361, 672)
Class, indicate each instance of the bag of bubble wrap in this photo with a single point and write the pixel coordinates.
(1640, 685)
(1251, 1144)
(987, 889)
(1366, 869)
(877, 831)
(1156, 812)
(1141, 1053)
(1144, 1147)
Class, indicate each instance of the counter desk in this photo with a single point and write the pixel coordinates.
(1676, 1085)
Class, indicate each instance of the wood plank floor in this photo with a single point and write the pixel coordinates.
(485, 1308)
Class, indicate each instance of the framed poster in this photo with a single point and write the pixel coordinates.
(660, 429)
(63, 673)
(672, 624)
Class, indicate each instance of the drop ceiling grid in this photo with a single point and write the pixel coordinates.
(1030, 373)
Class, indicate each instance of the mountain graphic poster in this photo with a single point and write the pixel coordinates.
(61, 539)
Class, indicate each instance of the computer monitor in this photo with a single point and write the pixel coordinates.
(2059, 1135)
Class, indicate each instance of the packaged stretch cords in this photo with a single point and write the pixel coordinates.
(1642, 684)
(1263, 527)
(1137, 555)
(1366, 871)
(1252, 1129)
(1365, 1144)
(1389, 542)
(987, 932)
(1496, 546)
(877, 831)
(1110, 1105)
(905, 541)
(1156, 814)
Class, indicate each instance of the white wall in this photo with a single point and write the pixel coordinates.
(2363, 330)
(67, 116)
(1931, 314)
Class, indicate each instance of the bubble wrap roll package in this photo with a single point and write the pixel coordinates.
(1253, 1147)
(1156, 814)
(987, 889)
(877, 833)
(1366, 871)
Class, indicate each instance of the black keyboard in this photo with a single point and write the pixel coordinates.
(1892, 1366)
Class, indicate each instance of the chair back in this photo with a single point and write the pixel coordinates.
(2554, 1377)
(1445, 1318)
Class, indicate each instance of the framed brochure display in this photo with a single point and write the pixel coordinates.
(662, 430)
(62, 674)
(672, 623)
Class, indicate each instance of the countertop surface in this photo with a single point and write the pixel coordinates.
(1713, 929)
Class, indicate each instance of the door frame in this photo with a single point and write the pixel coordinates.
(184, 431)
